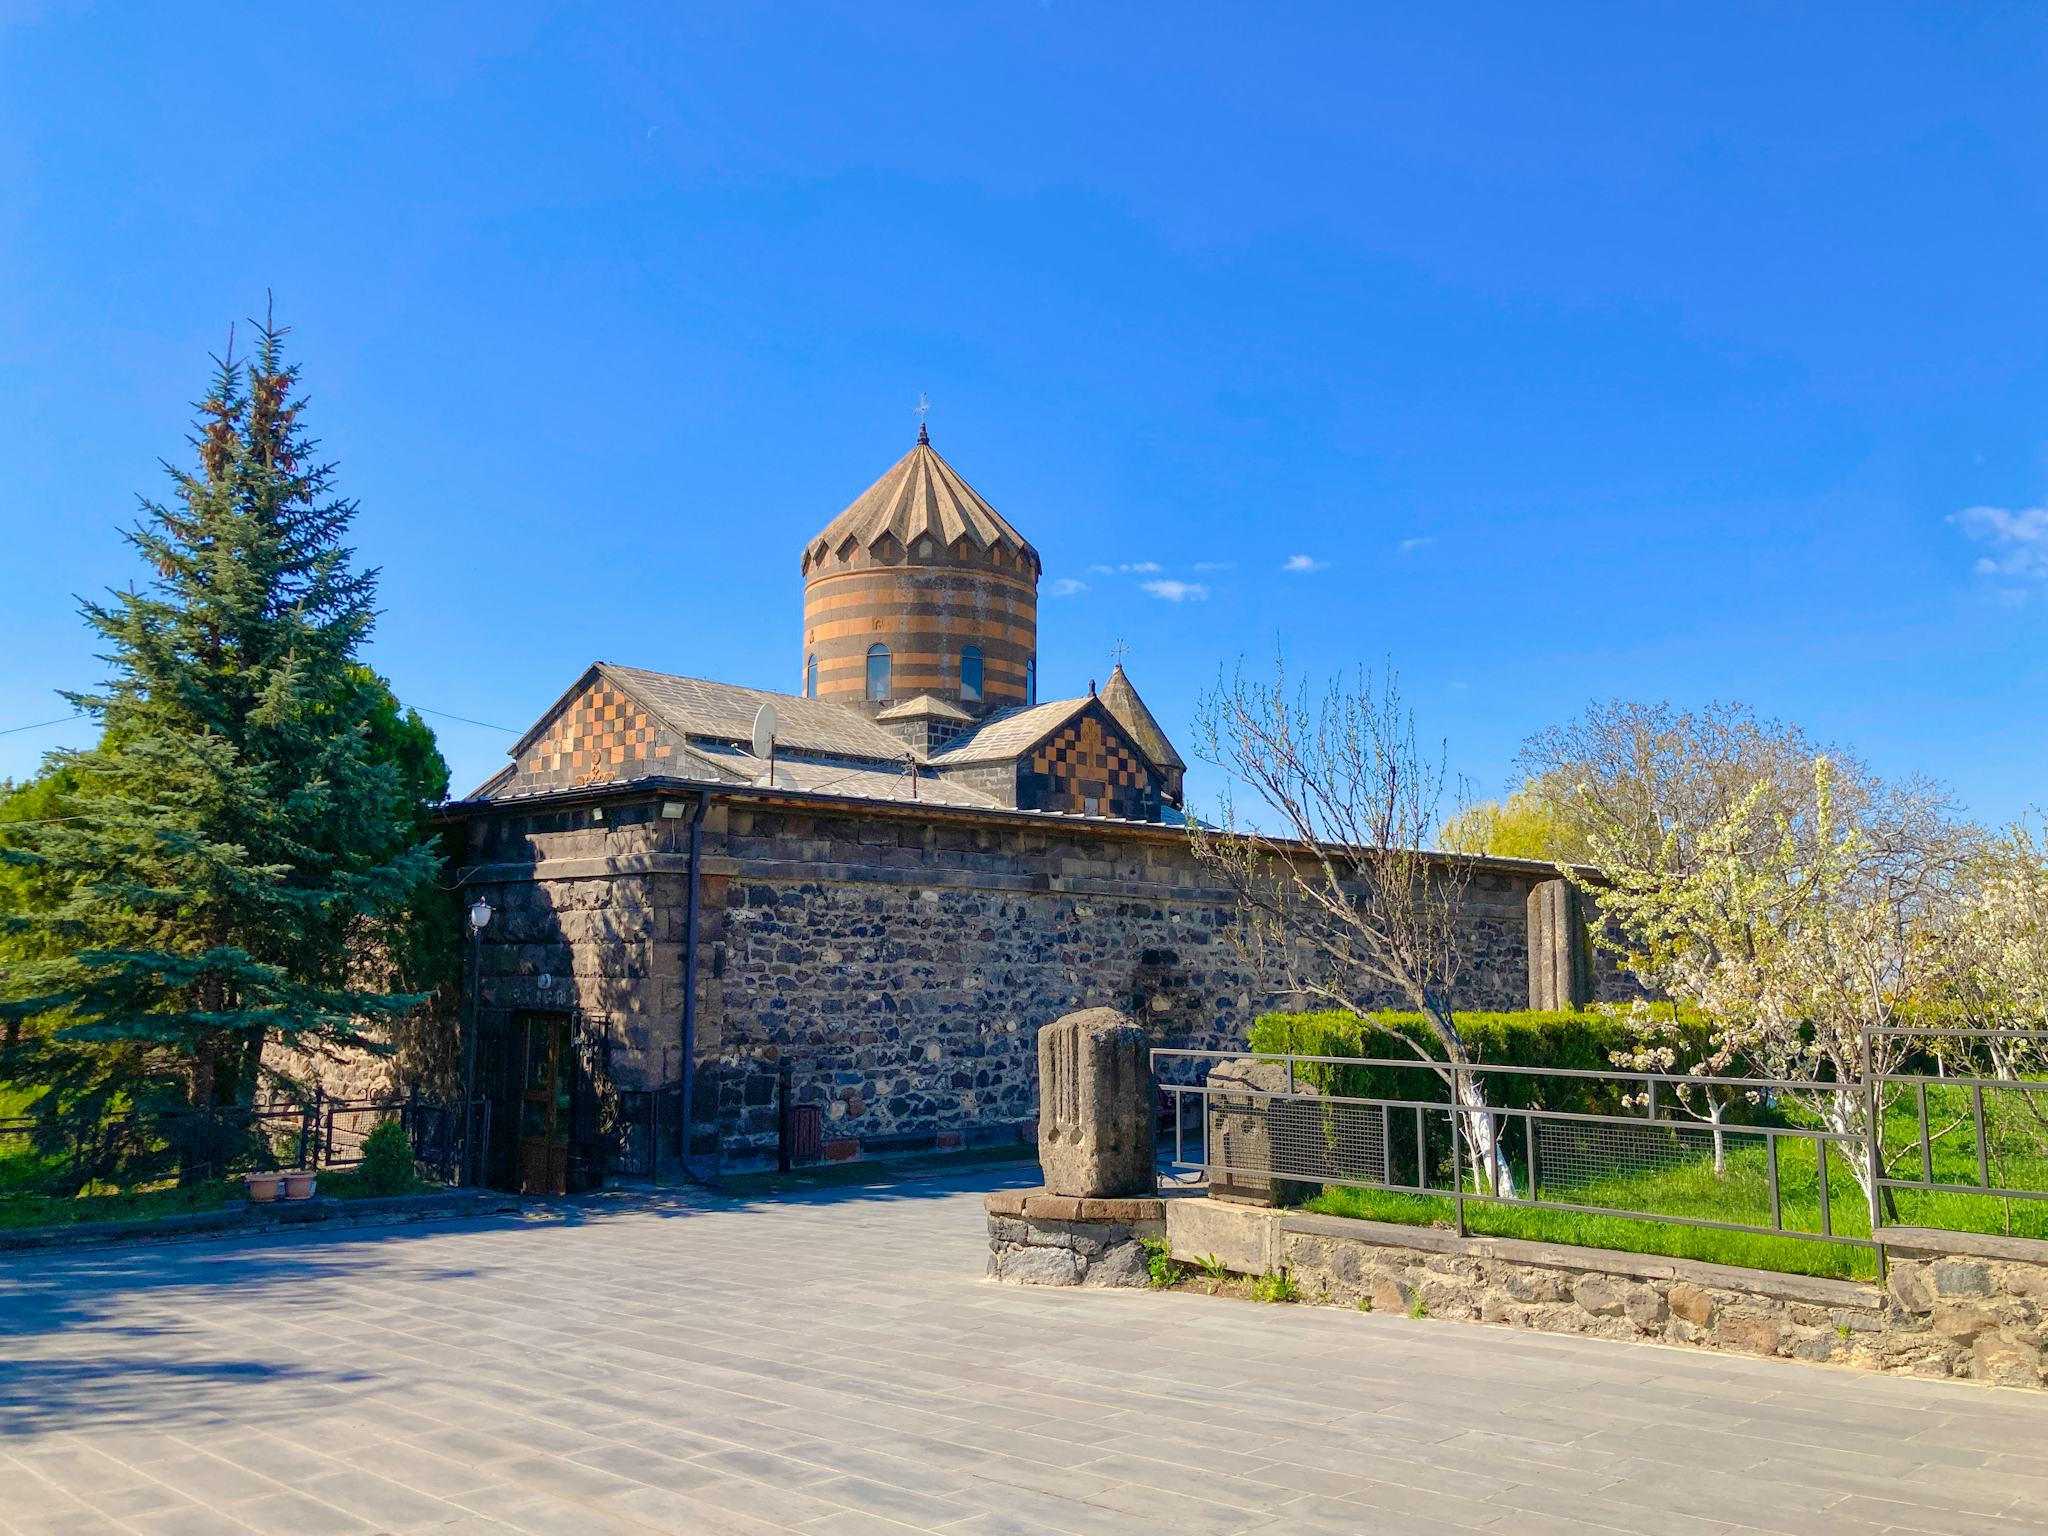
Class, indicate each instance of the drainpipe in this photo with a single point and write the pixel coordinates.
(690, 971)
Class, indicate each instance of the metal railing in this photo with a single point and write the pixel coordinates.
(71, 1155)
(1733, 1154)
(2001, 1119)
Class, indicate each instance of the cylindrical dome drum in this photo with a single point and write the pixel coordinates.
(921, 587)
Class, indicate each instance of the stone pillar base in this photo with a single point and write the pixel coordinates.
(1039, 1239)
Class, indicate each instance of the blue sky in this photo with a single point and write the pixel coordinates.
(1576, 352)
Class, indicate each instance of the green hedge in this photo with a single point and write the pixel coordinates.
(1578, 1041)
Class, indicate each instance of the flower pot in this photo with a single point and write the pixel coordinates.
(262, 1187)
(299, 1185)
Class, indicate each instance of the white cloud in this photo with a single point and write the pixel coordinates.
(1101, 570)
(1130, 568)
(1409, 546)
(1215, 565)
(1303, 563)
(2018, 539)
(1065, 586)
(1178, 591)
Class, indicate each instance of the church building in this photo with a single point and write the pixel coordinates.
(822, 923)
(919, 682)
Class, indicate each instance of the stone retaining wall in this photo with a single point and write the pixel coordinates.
(1040, 1239)
(1955, 1304)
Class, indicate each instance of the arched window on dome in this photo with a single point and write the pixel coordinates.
(1031, 681)
(811, 676)
(970, 674)
(878, 674)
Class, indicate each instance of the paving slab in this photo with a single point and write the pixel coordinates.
(836, 1362)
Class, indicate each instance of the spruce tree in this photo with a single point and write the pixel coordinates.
(235, 860)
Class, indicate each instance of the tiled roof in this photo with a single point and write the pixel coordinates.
(1007, 734)
(697, 707)
(922, 494)
(869, 781)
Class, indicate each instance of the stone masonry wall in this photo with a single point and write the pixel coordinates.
(900, 961)
(906, 966)
(1040, 1239)
(1955, 1304)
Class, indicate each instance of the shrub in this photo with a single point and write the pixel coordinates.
(1577, 1041)
(387, 1166)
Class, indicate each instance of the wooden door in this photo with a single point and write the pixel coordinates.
(546, 1087)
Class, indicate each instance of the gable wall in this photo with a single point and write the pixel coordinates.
(598, 735)
(1088, 759)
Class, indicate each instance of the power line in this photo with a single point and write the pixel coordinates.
(40, 724)
(465, 719)
(14, 730)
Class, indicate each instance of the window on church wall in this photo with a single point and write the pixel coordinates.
(970, 674)
(878, 674)
(811, 677)
(1031, 681)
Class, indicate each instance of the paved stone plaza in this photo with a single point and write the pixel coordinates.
(835, 1363)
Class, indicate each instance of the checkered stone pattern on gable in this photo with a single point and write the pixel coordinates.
(602, 735)
(1083, 767)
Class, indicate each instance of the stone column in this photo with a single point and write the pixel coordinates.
(1560, 972)
(1096, 1103)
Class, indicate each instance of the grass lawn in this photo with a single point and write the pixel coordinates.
(58, 1210)
(1690, 1187)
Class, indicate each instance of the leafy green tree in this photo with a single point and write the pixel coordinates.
(245, 845)
(1529, 824)
(24, 889)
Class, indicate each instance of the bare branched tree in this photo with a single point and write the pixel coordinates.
(1342, 898)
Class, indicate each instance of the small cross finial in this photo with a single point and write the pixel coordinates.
(923, 405)
(1118, 652)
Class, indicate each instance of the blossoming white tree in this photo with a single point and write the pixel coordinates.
(1799, 928)
(2002, 980)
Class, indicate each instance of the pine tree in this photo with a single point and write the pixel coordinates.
(234, 856)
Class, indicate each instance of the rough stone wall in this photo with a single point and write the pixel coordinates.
(596, 908)
(1040, 1239)
(1961, 1306)
(900, 962)
(905, 966)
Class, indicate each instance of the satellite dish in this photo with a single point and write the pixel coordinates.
(764, 730)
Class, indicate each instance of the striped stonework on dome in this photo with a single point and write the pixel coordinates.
(920, 587)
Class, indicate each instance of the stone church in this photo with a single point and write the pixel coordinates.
(845, 941)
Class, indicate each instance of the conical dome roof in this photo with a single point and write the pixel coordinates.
(921, 495)
(1121, 700)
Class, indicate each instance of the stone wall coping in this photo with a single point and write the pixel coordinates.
(1940, 1242)
(1037, 1205)
(1815, 1289)
(661, 786)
